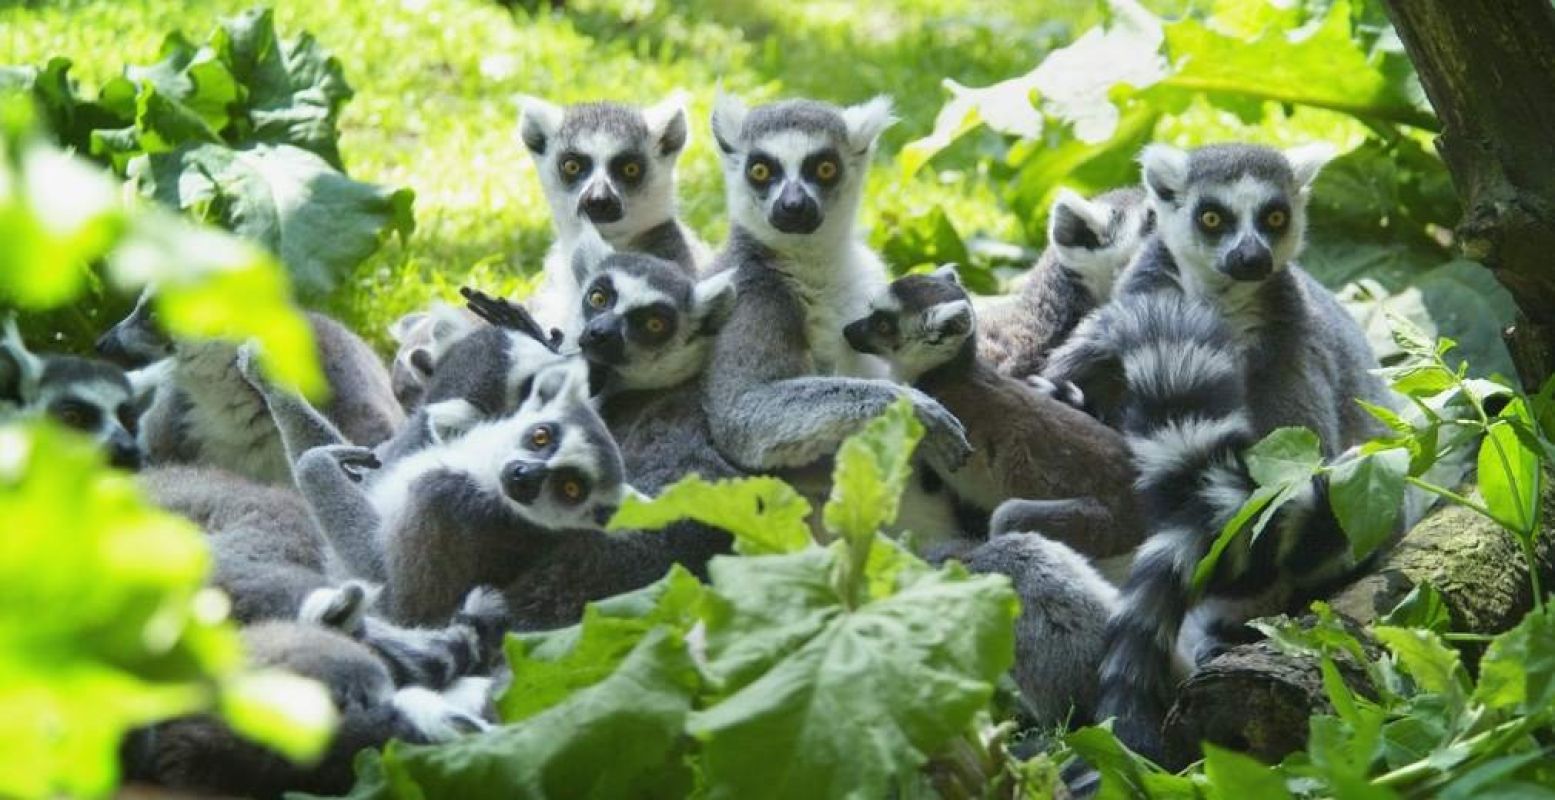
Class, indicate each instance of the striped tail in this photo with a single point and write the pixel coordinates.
(1185, 417)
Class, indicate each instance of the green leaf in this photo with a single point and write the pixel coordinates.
(1260, 501)
(1237, 776)
(887, 683)
(291, 715)
(319, 222)
(1286, 456)
(1422, 608)
(193, 78)
(1122, 772)
(1518, 670)
(1423, 380)
(619, 737)
(872, 470)
(550, 667)
(1433, 665)
(1510, 478)
(1367, 495)
(764, 515)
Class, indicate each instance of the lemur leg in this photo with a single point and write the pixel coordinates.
(301, 425)
(343, 511)
(1083, 523)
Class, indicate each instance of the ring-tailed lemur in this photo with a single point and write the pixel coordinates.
(783, 389)
(422, 338)
(96, 398)
(610, 167)
(1215, 339)
(1089, 243)
(1071, 472)
(204, 412)
(202, 754)
(513, 503)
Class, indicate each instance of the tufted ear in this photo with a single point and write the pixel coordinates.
(20, 370)
(449, 419)
(1165, 170)
(948, 272)
(866, 121)
(667, 123)
(950, 320)
(1077, 222)
(589, 252)
(712, 301)
(1307, 160)
(538, 123)
(563, 382)
(729, 114)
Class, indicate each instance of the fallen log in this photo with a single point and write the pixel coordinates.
(1256, 699)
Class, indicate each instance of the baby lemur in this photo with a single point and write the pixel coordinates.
(783, 389)
(1068, 474)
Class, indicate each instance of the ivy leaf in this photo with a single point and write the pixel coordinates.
(552, 666)
(319, 222)
(808, 678)
(1367, 495)
(872, 470)
(764, 515)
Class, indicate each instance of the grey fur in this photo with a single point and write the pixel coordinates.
(93, 397)
(783, 389)
(1027, 446)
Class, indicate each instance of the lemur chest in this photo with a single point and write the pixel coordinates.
(827, 310)
(228, 419)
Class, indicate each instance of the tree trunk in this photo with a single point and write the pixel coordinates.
(1488, 67)
(1256, 699)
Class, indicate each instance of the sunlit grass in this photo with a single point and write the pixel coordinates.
(437, 80)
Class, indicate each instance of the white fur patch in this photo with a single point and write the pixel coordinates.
(1175, 369)
(1170, 446)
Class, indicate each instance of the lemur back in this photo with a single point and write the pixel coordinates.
(610, 168)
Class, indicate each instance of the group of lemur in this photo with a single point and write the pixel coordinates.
(1083, 434)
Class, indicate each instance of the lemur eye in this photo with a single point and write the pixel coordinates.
(540, 437)
(655, 325)
(571, 167)
(826, 170)
(1276, 218)
(632, 169)
(882, 326)
(597, 298)
(1211, 220)
(759, 172)
(572, 490)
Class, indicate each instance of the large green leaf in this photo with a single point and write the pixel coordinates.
(1518, 670)
(820, 701)
(1367, 495)
(319, 222)
(1237, 776)
(764, 515)
(1285, 456)
(872, 470)
(1510, 475)
(1435, 667)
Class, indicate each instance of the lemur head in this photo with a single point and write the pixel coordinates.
(644, 319)
(484, 374)
(1232, 212)
(138, 339)
(606, 164)
(917, 323)
(563, 470)
(1096, 238)
(797, 167)
(423, 337)
(93, 397)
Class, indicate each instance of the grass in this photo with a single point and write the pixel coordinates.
(437, 80)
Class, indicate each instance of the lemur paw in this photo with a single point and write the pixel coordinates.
(248, 366)
(353, 460)
(1061, 390)
(339, 607)
(945, 445)
(434, 716)
(486, 611)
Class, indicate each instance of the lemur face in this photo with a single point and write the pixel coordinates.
(138, 339)
(484, 375)
(564, 471)
(606, 164)
(917, 323)
(1097, 237)
(648, 323)
(89, 396)
(798, 166)
(1232, 212)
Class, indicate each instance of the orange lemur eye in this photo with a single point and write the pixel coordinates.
(572, 490)
(655, 325)
(826, 170)
(571, 167)
(1211, 220)
(540, 437)
(1276, 218)
(632, 169)
(759, 172)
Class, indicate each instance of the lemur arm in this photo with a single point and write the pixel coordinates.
(343, 511)
(301, 425)
(766, 412)
(447, 540)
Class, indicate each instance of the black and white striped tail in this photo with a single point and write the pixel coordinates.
(425, 657)
(1185, 418)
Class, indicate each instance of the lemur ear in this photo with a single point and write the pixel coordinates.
(538, 122)
(948, 272)
(589, 252)
(145, 381)
(1307, 160)
(866, 121)
(1077, 222)
(1165, 171)
(728, 120)
(20, 370)
(667, 123)
(950, 319)
(401, 329)
(564, 381)
(712, 301)
(449, 419)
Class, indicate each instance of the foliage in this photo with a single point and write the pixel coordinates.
(1275, 73)
(103, 620)
(242, 132)
(752, 685)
